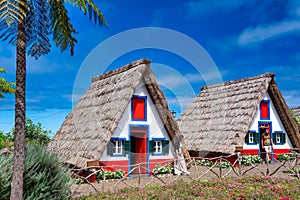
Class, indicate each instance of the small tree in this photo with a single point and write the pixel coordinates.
(34, 133)
(5, 87)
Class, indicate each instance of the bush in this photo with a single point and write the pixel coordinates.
(223, 164)
(167, 169)
(117, 174)
(204, 162)
(208, 163)
(283, 157)
(249, 160)
(45, 177)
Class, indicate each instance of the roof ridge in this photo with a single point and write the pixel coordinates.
(268, 74)
(121, 69)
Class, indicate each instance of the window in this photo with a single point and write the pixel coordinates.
(252, 137)
(265, 109)
(139, 108)
(157, 147)
(117, 147)
(278, 137)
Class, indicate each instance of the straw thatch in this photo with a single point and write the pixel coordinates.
(86, 131)
(219, 118)
(296, 111)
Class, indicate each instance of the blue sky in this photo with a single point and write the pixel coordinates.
(242, 37)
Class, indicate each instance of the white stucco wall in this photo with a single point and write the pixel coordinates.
(155, 126)
(276, 125)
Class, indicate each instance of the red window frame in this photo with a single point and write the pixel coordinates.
(139, 108)
(265, 109)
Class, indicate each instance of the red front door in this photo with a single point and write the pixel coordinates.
(138, 150)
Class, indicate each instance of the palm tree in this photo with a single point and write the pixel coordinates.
(5, 87)
(28, 24)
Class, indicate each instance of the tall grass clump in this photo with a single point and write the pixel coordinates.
(45, 177)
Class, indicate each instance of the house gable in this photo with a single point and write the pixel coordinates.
(276, 126)
(155, 125)
(219, 118)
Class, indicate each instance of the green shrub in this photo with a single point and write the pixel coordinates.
(117, 174)
(209, 163)
(166, 169)
(204, 162)
(249, 160)
(283, 157)
(223, 164)
(45, 177)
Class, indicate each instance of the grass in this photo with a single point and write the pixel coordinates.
(230, 188)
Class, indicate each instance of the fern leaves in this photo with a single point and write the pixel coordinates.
(12, 10)
(88, 6)
(38, 29)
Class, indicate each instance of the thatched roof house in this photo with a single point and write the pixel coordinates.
(296, 111)
(219, 118)
(87, 130)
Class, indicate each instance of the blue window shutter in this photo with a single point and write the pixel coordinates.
(256, 138)
(110, 148)
(247, 138)
(126, 146)
(165, 147)
(151, 146)
(283, 138)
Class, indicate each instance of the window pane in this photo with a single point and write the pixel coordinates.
(277, 138)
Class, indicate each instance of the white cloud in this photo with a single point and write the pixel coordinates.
(170, 81)
(262, 33)
(180, 101)
(292, 98)
(194, 78)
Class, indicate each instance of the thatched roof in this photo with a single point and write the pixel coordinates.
(296, 111)
(87, 129)
(219, 118)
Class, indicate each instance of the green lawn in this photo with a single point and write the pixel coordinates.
(255, 187)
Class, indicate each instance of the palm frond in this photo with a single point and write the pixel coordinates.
(61, 26)
(9, 32)
(38, 28)
(13, 10)
(88, 6)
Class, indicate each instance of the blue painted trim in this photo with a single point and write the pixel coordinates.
(158, 154)
(116, 138)
(270, 125)
(145, 108)
(147, 127)
(265, 101)
(118, 155)
(158, 138)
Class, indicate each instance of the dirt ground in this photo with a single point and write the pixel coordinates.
(276, 170)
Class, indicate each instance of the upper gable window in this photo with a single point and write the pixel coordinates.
(139, 108)
(265, 109)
